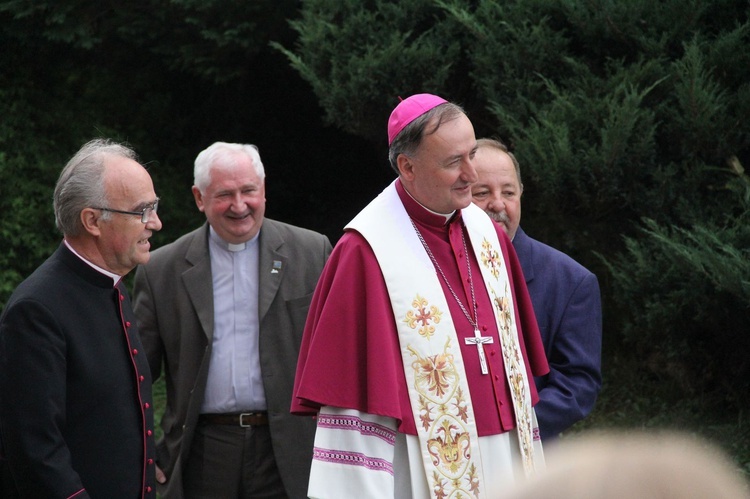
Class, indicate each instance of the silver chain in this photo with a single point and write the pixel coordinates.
(445, 279)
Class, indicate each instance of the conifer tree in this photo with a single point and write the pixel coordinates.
(630, 121)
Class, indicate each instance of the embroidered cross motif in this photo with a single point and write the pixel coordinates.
(421, 318)
(491, 258)
(480, 340)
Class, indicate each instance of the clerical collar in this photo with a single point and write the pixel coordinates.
(445, 217)
(116, 278)
(230, 246)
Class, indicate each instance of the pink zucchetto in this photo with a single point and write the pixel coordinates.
(410, 109)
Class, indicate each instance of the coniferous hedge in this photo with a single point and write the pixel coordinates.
(631, 124)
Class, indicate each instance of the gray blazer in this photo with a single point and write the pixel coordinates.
(173, 300)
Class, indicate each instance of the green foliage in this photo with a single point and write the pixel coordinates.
(617, 111)
(357, 69)
(215, 40)
(630, 117)
(688, 293)
(33, 154)
(514, 48)
(27, 233)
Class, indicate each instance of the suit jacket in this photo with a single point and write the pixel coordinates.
(75, 387)
(567, 305)
(173, 300)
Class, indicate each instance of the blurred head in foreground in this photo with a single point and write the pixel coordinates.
(625, 465)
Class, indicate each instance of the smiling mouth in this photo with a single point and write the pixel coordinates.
(239, 218)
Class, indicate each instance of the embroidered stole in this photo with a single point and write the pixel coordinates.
(433, 364)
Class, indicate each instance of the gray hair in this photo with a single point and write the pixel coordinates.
(223, 152)
(81, 183)
(499, 145)
(409, 139)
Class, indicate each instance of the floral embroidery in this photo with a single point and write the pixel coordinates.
(449, 448)
(435, 375)
(425, 412)
(443, 416)
(514, 365)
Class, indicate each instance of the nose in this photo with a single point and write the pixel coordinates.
(154, 222)
(238, 204)
(496, 202)
(469, 172)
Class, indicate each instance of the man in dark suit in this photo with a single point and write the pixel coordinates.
(566, 298)
(223, 308)
(75, 389)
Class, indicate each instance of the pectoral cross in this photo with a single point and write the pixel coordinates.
(480, 340)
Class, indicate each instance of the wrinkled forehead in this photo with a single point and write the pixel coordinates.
(448, 136)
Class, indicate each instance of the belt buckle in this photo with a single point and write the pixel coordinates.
(242, 421)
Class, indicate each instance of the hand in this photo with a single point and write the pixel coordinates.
(160, 476)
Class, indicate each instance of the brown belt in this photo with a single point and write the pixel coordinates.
(246, 419)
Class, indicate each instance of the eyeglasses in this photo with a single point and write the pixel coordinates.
(145, 213)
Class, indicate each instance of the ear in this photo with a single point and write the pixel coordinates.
(405, 167)
(91, 219)
(198, 197)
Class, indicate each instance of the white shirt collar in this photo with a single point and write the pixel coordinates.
(229, 246)
(115, 278)
(446, 215)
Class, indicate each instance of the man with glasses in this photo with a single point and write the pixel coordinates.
(144, 213)
(76, 414)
